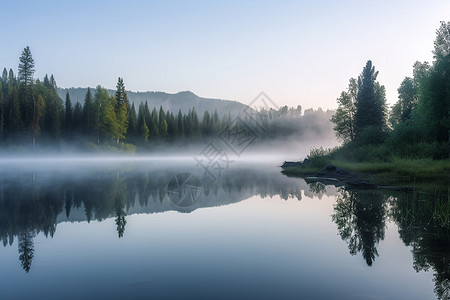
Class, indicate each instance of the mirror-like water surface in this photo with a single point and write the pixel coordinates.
(141, 229)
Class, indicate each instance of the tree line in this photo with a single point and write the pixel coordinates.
(31, 109)
(31, 112)
(418, 125)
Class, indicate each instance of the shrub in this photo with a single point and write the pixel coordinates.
(319, 157)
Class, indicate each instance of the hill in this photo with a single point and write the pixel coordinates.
(174, 102)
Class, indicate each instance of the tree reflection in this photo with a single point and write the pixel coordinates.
(423, 224)
(360, 217)
(30, 205)
(26, 249)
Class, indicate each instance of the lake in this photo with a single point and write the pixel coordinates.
(158, 228)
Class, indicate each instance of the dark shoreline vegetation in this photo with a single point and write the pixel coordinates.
(408, 144)
(34, 118)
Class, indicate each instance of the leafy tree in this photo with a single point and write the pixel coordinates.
(407, 102)
(442, 41)
(106, 124)
(344, 118)
(360, 217)
(433, 116)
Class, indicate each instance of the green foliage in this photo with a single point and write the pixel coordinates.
(319, 157)
(121, 111)
(370, 101)
(344, 118)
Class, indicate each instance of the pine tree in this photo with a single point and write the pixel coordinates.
(370, 102)
(2, 111)
(180, 123)
(25, 77)
(39, 110)
(153, 124)
(89, 113)
(68, 116)
(121, 109)
(132, 123)
(77, 121)
(26, 68)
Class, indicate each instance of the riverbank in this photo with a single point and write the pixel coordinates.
(405, 171)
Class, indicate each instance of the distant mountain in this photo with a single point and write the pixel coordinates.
(173, 102)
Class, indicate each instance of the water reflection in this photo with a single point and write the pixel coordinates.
(423, 224)
(361, 219)
(35, 202)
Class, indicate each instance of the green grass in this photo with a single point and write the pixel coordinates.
(300, 171)
(402, 169)
(426, 174)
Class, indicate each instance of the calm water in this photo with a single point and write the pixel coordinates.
(145, 230)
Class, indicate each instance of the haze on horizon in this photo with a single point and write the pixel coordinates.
(297, 52)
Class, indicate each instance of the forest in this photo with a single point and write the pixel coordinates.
(32, 115)
(417, 126)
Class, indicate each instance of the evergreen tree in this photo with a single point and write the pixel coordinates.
(206, 124)
(53, 83)
(162, 115)
(121, 108)
(180, 123)
(68, 116)
(153, 123)
(216, 122)
(2, 110)
(144, 131)
(47, 82)
(4, 78)
(25, 77)
(39, 110)
(26, 68)
(132, 123)
(15, 123)
(77, 121)
(89, 114)
(370, 102)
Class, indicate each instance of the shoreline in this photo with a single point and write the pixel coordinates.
(418, 173)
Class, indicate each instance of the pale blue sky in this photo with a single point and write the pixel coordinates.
(297, 52)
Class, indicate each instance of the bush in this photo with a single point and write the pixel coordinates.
(371, 135)
(319, 157)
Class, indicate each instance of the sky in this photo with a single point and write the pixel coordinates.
(297, 52)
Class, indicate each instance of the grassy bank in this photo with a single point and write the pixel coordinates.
(402, 170)
(409, 171)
